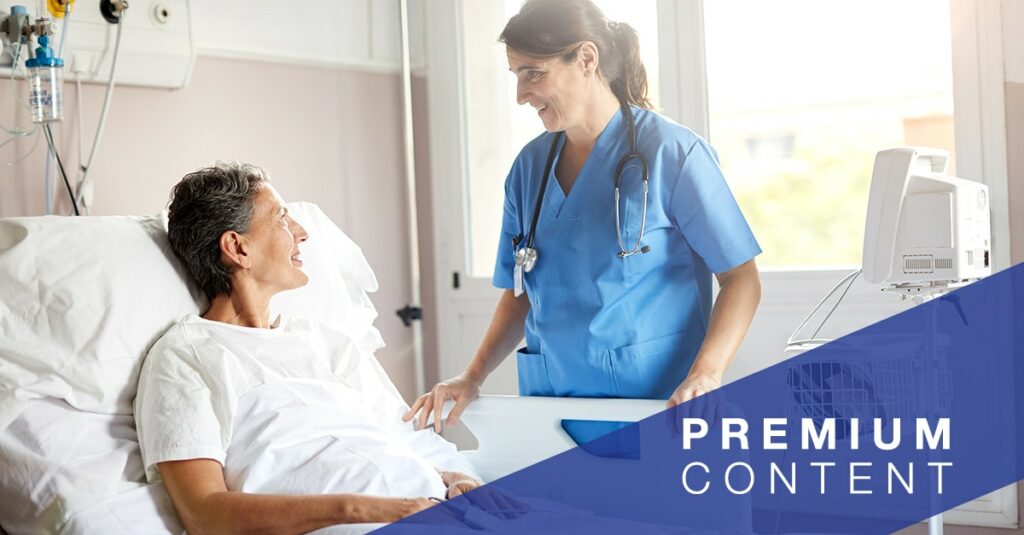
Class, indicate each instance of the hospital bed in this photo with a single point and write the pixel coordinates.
(82, 300)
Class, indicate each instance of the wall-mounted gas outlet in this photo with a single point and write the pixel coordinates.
(112, 10)
(161, 14)
(56, 7)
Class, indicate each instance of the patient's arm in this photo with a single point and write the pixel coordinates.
(205, 505)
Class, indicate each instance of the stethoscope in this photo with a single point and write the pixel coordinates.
(526, 257)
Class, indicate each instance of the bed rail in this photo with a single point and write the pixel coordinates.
(514, 432)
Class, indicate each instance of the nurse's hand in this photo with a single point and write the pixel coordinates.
(460, 388)
(696, 384)
(701, 387)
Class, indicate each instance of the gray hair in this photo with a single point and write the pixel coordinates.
(204, 205)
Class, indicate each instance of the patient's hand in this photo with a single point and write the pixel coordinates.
(458, 483)
(489, 499)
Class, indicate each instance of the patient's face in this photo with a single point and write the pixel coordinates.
(274, 239)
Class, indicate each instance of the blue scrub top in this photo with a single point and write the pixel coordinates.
(604, 326)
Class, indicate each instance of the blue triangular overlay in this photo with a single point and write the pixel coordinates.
(925, 366)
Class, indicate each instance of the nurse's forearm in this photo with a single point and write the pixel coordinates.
(730, 319)
(503, 335)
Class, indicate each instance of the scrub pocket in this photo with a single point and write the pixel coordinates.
(651, 369)
(533, 374)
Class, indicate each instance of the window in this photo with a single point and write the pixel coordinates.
(803, 93)
(772, 147)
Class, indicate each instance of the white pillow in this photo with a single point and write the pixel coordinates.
(83, 299)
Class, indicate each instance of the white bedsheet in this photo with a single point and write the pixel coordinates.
(64, 470)
(145, 510)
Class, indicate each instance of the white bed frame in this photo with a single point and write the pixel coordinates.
(514, 432)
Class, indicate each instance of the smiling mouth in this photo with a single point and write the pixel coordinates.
(540, 109)
(297, 259)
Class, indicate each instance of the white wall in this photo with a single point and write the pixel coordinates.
(362, 34)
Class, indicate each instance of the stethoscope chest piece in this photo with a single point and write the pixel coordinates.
(526, 258)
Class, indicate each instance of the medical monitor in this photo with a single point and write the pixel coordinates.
(924, 228)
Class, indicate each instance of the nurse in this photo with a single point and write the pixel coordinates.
(612, 291)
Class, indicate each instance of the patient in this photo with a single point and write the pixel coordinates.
(280, 426)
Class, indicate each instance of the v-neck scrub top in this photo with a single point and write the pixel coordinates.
(604, 326)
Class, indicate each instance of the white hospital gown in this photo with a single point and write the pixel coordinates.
(291, 410)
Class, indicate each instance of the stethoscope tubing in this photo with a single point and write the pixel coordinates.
(543, 188)
(526, 257)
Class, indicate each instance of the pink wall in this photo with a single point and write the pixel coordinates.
(324, 135)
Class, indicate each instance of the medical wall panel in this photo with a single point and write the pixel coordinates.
(156, 43)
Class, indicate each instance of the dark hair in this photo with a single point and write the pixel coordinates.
(204, 205)
(552, 28)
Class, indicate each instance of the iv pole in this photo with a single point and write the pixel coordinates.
(412, 312)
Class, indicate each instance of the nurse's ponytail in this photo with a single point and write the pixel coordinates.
(555, 28)
(631, 84)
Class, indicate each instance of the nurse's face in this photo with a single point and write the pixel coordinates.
(273, 240)
(554, 88)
